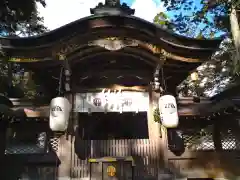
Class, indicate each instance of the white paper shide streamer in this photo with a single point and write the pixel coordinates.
(168, 111)
(59, 114)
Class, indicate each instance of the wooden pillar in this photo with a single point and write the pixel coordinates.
(153, 127)
(217, 134)
(65, 147)
(157, 133)
(164, 147)
(3, 130)
(64, 155)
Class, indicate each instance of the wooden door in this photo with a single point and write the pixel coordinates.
(111, 170)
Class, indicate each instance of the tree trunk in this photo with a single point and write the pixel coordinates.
(235, 29)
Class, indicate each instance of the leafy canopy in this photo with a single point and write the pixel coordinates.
(200, 18)
(20, 17)
(204, 19)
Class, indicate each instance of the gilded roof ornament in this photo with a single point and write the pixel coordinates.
(113, 44)
(112, 7)
(112, 2)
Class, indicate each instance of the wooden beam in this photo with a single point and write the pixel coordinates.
(113, 73)
(78, 89)
(190, 112)
(186, 107)
(117, 72)
(141, 55)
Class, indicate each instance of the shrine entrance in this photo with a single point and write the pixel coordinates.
(113, 125)
(114, 51)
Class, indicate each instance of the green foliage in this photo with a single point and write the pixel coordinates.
(156, 115)
(207, 19)
(29, 87)
(162, 20)
(20, 17)
(213, 76)
(23, 80)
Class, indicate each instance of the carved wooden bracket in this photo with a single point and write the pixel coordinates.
(113, 44)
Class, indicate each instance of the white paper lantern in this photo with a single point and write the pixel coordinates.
(168, 111)
(59, 114)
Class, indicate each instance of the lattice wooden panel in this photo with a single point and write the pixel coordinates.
(23, 149)
(198, 139)
(15, 146)
(195, 138)
(54, 142)
(230, 139)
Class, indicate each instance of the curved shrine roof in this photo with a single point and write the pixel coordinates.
(103, 42)
(101, 26)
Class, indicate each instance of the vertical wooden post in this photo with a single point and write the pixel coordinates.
(164, 142)
(65, 147)
(156, 131)
(3, 130)
(217, 134)
(160, 135)
(64, 155)
(153, 127)
(74, 120)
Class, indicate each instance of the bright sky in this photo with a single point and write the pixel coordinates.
(61, 12)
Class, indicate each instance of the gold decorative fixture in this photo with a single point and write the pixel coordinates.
(113, 44)
(111, 171)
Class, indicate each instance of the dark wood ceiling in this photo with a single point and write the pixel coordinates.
(115, 67)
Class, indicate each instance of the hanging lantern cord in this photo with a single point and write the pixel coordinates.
(60, 81)
(163, 81)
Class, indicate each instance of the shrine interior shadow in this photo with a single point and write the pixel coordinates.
(100, 126)
(31, 166)
(28, 155)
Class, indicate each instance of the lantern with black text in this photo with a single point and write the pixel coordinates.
(168, 111)
(59, 114)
